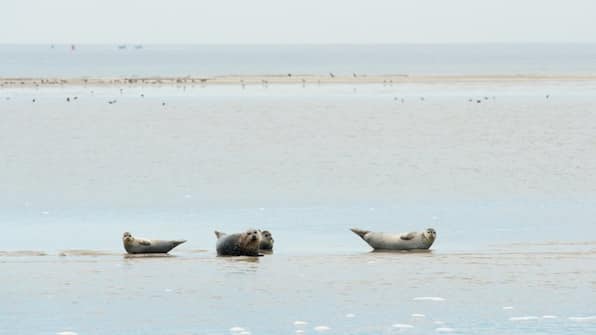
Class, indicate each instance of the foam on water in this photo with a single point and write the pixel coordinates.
(402, 326)
(321, 328)
(429, 299)
(236, 329)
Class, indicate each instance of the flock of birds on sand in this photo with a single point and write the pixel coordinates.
(252, 242)
(265, 84)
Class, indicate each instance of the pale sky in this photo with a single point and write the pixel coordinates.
(298, 21)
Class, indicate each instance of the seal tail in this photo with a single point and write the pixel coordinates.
(219, 234)
(360, 232)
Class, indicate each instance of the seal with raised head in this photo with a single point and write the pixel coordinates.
(134, 245)
(241, 244)
(266, 241)
(404, 241)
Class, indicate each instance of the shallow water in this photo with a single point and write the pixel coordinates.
(508, 184)
(197, 293)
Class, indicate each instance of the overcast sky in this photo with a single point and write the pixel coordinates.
(298, 21)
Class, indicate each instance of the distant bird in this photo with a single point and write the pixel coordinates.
(75, 98)
(142, 95)
(478, 101)
(163, 103)
(331, 75)
(68, 99)
(33, 100)
(289, 75)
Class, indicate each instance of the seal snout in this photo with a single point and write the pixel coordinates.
(127, 237)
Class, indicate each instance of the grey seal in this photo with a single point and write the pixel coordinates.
(266, 241)
(241, 244)
(134, 245)
(405, 241)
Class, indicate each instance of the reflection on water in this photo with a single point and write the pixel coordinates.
(358, 293)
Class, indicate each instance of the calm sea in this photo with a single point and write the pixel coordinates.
(183, 60)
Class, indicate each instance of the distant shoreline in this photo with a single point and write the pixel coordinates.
(282, 79)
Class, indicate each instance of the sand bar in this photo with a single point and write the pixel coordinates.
(286, 79)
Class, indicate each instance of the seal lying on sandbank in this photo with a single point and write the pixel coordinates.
(405, 241)
(144, 246)
(242, 244)
(266, 241)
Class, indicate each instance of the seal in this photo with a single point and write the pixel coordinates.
(241, 244)
(266, 240)
(405, 241)
(134, 245)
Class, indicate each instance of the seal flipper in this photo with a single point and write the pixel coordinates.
(360, 232)
(144, 242)
(407, 236)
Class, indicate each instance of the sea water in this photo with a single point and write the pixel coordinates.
(209, 60)
(508, 183)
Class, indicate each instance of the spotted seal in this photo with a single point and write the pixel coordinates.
(134, 245)
(266, 241)
(405, 241)
(241, 244)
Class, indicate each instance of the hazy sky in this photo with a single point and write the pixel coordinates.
(298, 21)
